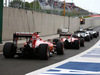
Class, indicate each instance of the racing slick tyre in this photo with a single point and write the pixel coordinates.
(67, 45)
(55, 41)
(9, 50)
(91, 36)
(87, 38)
(76, 44)
(97, 33)
(82, 42)
(59, 48)
(43, 51)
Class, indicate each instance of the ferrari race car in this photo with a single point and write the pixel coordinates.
(95, 34)
(83, 34)
(34, 46)
(70, 41)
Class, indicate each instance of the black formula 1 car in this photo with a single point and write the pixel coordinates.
(34, 46)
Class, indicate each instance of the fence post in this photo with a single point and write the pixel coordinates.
(1, 19)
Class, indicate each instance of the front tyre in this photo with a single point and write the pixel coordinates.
(9, 50)
(44, 52)
(59, 48)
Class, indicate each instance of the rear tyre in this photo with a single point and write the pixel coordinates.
(97, 33)
(44, 52)
(91, 36)
(76, 44)
(55, 41)
(87, 38)
(9, 50)
(82, 42)
(59, 48)
(67, 45)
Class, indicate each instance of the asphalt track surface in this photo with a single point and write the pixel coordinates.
(21, 66)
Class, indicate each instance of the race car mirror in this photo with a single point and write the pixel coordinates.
(82, 21)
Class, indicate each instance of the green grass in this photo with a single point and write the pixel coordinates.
(85, 17)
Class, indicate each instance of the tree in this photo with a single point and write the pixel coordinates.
(27, 5)
(33, 4)
(16, 4)
(19, 4)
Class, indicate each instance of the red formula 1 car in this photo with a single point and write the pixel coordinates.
(71, 41)
(34, 46)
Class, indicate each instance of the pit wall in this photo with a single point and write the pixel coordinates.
(18, 20)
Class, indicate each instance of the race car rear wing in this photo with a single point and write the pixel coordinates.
(24, 35)
(65, 34)
(79, 32)
(21, 35)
